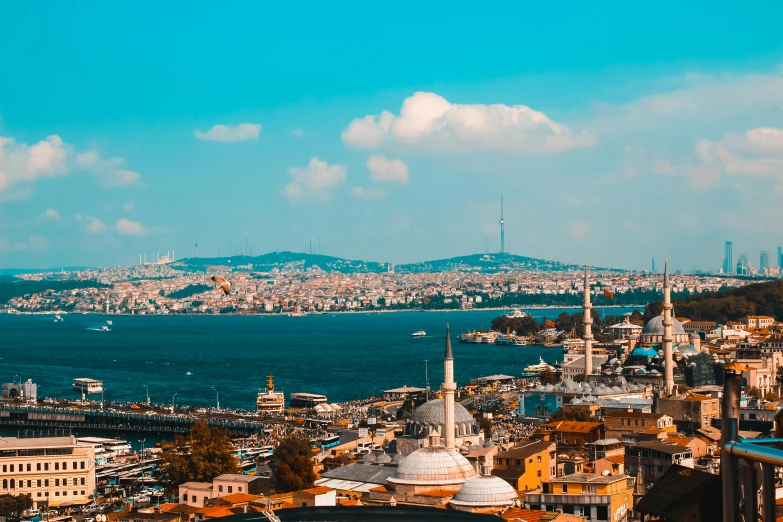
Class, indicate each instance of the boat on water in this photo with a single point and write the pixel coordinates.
(109, 322)
(58, 318)
(420, 333)
(540, 367)
(269, 400)
(516, 314)
(573, 345)
(104, 328)
(85, 385)
(306, 400)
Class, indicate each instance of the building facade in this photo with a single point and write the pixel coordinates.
(527, 465)
(598, 498)
(48, 469)
(616, 423)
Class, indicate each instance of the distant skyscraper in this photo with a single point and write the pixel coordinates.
(763, 261)
(653, 265)
(780, 257)
(728, 259)
(742, 264)
(502, 228)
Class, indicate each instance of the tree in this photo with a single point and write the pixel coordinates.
(204, 455)
(572, 413)
(485, 425)
(12, 506)
(754, 392)
(547, 377)
(295, 468)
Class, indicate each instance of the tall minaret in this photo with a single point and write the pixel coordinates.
(449, 387)
(502, 228)
(668, 380)
(587, 323)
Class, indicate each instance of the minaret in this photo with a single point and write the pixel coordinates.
(587, 322)
(638, 490)
(502, 228)
(449, 386)
(668, 381)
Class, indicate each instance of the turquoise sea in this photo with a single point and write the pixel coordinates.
(343, 356)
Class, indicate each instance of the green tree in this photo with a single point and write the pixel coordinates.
(12, 506)
(295, 468)
(572, 413)
(204, 455)
(486, 426)
(547, 377)
(754, 392)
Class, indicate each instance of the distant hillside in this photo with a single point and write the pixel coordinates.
(11, 287)
(491, 263)
(728, 305)
(20, 271)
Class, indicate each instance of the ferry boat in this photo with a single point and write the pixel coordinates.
(58, 318)
(106, 448)
(469, 337)
(540, 367)
(86, 385)
(573, 345)
(270, 401)
(420, 333)
(516, 314)
(306, 400)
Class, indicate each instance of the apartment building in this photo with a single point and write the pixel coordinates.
(48, 469)
(618, 423)
(526, 465)
(597, 497)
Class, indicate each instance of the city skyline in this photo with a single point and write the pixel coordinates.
(259, 139)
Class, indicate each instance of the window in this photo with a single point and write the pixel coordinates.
(75, 493)
(539, 472)
(193, 498)
(588, 488)
(82, 492)
(206, 499)
(38, 483)
(46, 483)
(29, 483)
(75, 465)
(5, 468)
(56, 466)
(539, 459)
(230, 489)
(46, 466)
(56, 482)
(82, 481)
(13, 484)
(56, 493)
(65, 466)
(220, 488)
(12, 468)
(565, 488)
(29, 467)
(38, 467)
(5, 483)
(239, 488)
(81, 465)
(38, 494)
(184, 499)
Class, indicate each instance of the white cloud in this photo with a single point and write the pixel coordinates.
(90, 223)
(49, 213)
(429, 121)
(241, 132)
(130, 228)
(663, 167)
(368, 193)
(33, 242)
(21, 165)
(578, 230)
(128, 206)
(108, 171)
(314, 183)
(385, 170)
(757, 153)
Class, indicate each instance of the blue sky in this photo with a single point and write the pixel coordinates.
(389, 132)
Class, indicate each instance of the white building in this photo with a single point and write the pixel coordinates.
(53, 469)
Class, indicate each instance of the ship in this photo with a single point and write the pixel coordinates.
(306, 400)
(58, 318)
(269, 400)
(516, 314)
(540, 367)
(85, 385)
(420, 333)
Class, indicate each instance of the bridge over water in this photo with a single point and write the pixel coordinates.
(35, 417)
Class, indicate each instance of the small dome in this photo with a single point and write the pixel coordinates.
(694, 335)
(688, 350)
(368, 458)
(433, 412)
(485, 492)
(576, 400)
(654, 372)
(619, 369)
(616, 389)
(549, 387)
(655, 326)
(613, 361)
(383, 458)
(433, 466)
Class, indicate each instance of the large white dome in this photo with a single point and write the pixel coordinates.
(655, 326)
(433, 466)
(485, 492)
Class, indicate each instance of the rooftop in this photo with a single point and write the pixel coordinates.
(525, 450)
(663, 447)
(633, 415)
(592, 478)
(37, 442)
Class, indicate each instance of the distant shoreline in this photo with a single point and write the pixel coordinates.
(340, 312)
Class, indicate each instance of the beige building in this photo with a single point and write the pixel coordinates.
(618, 423)
(758, 321)
(53, 469)
(690, 409)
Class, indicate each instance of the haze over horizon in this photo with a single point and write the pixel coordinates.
(615, 135)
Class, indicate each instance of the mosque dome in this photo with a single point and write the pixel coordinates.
(687, 350)
(655, 326)
(433, 466)
(485, 492)
(383, 458)
(431, 416)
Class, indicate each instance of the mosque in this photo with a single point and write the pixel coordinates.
(433, 470)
